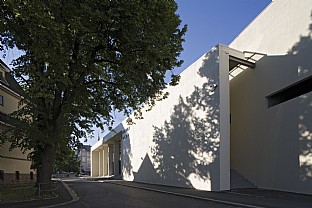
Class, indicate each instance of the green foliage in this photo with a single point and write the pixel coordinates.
(66, 160)
(84, 59)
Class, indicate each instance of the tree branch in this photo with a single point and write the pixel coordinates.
(57, 104)
(101, 80)
(105, 60)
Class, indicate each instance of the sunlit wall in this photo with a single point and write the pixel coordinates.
(272, 145)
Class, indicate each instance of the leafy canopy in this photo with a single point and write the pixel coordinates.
(83, 59)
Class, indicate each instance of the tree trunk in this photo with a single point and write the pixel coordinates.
(45, 167)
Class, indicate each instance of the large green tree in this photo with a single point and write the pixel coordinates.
(83, 59)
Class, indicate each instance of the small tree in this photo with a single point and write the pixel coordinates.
(66, 160)
(82, 60)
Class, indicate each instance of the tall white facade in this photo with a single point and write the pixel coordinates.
(244, 107)
(272, 145)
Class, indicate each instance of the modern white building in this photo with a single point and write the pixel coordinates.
(241, 113)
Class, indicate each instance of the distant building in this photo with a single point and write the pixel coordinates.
(14, 164)
(241, 115)
(83, 155)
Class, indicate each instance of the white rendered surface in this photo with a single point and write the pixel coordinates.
(272, 146)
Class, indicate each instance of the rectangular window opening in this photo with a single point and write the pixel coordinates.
(17, 175)
(1, 175)
(31, 176)
(1, 100)
(288, 93)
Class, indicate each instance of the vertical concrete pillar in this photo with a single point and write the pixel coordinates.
(110, 159)
(100, 162)
(121, 158)
(116, 157)
(105, 163)
(224, 90)
(94, 163)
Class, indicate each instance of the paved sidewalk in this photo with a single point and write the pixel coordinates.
(251, 198)
(64, 197)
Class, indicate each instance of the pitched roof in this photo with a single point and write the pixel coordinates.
(10, 81)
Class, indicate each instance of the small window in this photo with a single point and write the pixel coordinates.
(1, 175)
(17, 175)
(1, 100)
(2, 77)
(31, 174)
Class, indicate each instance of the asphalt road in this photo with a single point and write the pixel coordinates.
(104, 194)
(131, 194)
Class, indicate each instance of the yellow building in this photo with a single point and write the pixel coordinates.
(14, 165)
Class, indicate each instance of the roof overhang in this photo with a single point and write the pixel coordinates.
(110, 138)
(237, 58)
(235, 61)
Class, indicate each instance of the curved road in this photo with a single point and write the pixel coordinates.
(104, 194)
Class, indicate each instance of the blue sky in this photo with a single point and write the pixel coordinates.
(210, 22)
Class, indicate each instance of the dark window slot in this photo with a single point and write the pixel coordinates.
(17, 175)
(291, 92)
(1, 175)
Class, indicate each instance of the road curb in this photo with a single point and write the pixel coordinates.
(189, 196)
(71, 193)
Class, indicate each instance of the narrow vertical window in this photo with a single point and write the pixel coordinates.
(1, 175)
(1, 100)
(31, 174)
(2, 77)
(17, 175)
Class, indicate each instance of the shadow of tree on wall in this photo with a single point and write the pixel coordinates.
(146, 172)
(284, 141)
(302, 54)
(305, 142)
(186, 147)
(126, 153)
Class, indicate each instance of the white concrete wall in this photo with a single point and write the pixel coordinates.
(272, 146)
(184, 140)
